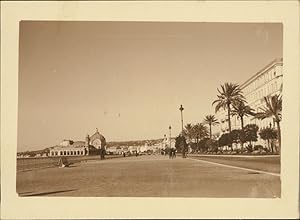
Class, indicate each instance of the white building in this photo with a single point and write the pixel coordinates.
(91, 146)
(266, 82)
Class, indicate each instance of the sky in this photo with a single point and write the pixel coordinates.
(128, 79)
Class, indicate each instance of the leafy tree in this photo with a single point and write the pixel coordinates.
(251, 133)
(238, 136)
(203, 146)
(240, 109)
(181, 145)
(211, 121)
(229, 94)
(235, 136)
(212, 145)
(273, 109)
(268, 134)
(226, 140)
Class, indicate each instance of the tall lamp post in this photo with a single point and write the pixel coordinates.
(170, 134)
(181, 109)
(183, 149)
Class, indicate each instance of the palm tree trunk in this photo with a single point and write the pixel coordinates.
(210, 131)
(229, 122)
(272, 146)
(242, 122)
(279, 136)
(242, 125)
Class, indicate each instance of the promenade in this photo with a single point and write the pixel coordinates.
(150, 176)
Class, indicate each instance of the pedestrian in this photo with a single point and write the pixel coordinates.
(173, 153)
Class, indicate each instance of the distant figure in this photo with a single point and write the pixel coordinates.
(123, 154)
(173, 153)
(102, 154)
(63, 162)
(136, 153)
(170, 154)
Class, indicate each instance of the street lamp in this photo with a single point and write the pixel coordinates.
(170, 134)
(197, 141)
(181, 109)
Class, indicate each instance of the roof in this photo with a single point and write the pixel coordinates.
(97, 135)
(278, 61)
(78, 144)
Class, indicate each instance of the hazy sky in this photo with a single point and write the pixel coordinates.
(128, 79)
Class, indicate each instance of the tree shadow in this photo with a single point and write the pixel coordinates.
(47, 193)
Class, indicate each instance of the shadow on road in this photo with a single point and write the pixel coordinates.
(46, 193)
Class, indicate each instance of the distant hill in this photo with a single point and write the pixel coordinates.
(35, 152)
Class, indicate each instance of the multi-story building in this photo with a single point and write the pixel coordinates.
(264, 83)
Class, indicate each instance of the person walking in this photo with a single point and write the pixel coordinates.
(173, 153)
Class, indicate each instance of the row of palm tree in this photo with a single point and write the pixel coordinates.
(195, 132)
(231, 98)
(199, 131)
(211, 121)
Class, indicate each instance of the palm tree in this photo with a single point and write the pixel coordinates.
(210, 120)
(188, 131)
(230, 94)
(200, 130)
(273, 109)
(240, 109)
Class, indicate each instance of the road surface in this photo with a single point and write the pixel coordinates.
(150, 176)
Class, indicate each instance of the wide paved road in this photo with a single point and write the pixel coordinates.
(148, 176)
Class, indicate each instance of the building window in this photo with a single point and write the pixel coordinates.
(274, 73)
(61, 153)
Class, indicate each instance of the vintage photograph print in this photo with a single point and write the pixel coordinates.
(149, 109)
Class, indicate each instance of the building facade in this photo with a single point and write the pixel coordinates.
(266, 82)
(91, 146)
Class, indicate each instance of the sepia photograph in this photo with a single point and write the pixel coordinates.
(149, 109)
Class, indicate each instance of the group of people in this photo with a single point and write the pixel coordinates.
(172, 153)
